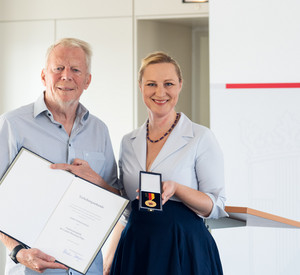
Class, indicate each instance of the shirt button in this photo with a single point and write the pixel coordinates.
(60, 126)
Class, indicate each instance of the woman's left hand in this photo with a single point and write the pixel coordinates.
(197, 201)
(168, 190)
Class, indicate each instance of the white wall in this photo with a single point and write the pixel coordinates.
(22, 51)
(258, 129)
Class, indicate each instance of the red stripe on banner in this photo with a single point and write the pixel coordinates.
(261, 85)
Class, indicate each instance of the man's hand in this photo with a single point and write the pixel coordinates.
(37, 260)
(82, 169)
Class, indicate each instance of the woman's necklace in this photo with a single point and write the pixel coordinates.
(165, 134)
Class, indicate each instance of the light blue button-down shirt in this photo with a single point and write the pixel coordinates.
(34, 127)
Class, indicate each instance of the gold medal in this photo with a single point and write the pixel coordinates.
(150, 203)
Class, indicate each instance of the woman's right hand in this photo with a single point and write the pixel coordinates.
(113, 241)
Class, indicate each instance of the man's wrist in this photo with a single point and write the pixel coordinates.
(14, 252)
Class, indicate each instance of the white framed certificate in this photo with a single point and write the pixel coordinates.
(55, 211)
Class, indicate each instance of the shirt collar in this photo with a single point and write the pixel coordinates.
(82, 113)
(40, 107)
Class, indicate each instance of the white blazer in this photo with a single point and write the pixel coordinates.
(191, 156)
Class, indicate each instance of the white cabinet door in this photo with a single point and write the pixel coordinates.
(22, 54)
(52, 9)
(169, 8)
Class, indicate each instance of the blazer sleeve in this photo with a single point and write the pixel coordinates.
(210, 173)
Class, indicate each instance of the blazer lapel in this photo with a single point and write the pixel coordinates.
(139, 145)
(178, 138)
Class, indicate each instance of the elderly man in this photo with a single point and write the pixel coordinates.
(60, 129)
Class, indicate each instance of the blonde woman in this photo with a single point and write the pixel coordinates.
(174, 241)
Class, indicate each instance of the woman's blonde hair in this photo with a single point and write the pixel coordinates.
(156, 58)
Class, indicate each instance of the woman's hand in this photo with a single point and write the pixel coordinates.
(106, 268)
(108, 255)
(197, 201)
(168, 190)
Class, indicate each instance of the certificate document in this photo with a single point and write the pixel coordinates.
(55, 211)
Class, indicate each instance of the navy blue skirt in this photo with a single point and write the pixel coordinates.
(172, 242)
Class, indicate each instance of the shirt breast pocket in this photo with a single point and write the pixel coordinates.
(95, 159)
